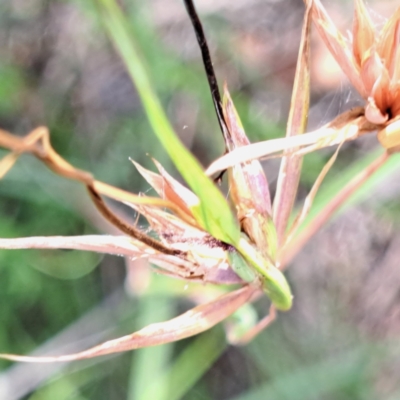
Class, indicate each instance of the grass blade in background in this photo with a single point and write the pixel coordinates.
(148, 363)
(189, 366)
(328, 377)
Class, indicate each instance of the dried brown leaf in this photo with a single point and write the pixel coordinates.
(190, 323)
(347, 126)
(290, 169)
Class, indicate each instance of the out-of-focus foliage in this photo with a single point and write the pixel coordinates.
(58, 69)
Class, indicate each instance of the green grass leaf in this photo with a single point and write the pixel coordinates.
(213, 212)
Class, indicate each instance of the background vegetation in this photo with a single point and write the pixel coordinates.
(57, 68)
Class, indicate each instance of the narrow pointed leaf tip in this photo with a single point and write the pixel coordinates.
(363, 32)
(290, 168)
(337, 45)
(248, 181)
(249, 187)
(169, 188)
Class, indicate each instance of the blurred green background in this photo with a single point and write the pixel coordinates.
(58, 68)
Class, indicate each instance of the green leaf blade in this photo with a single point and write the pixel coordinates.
(213, 212)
